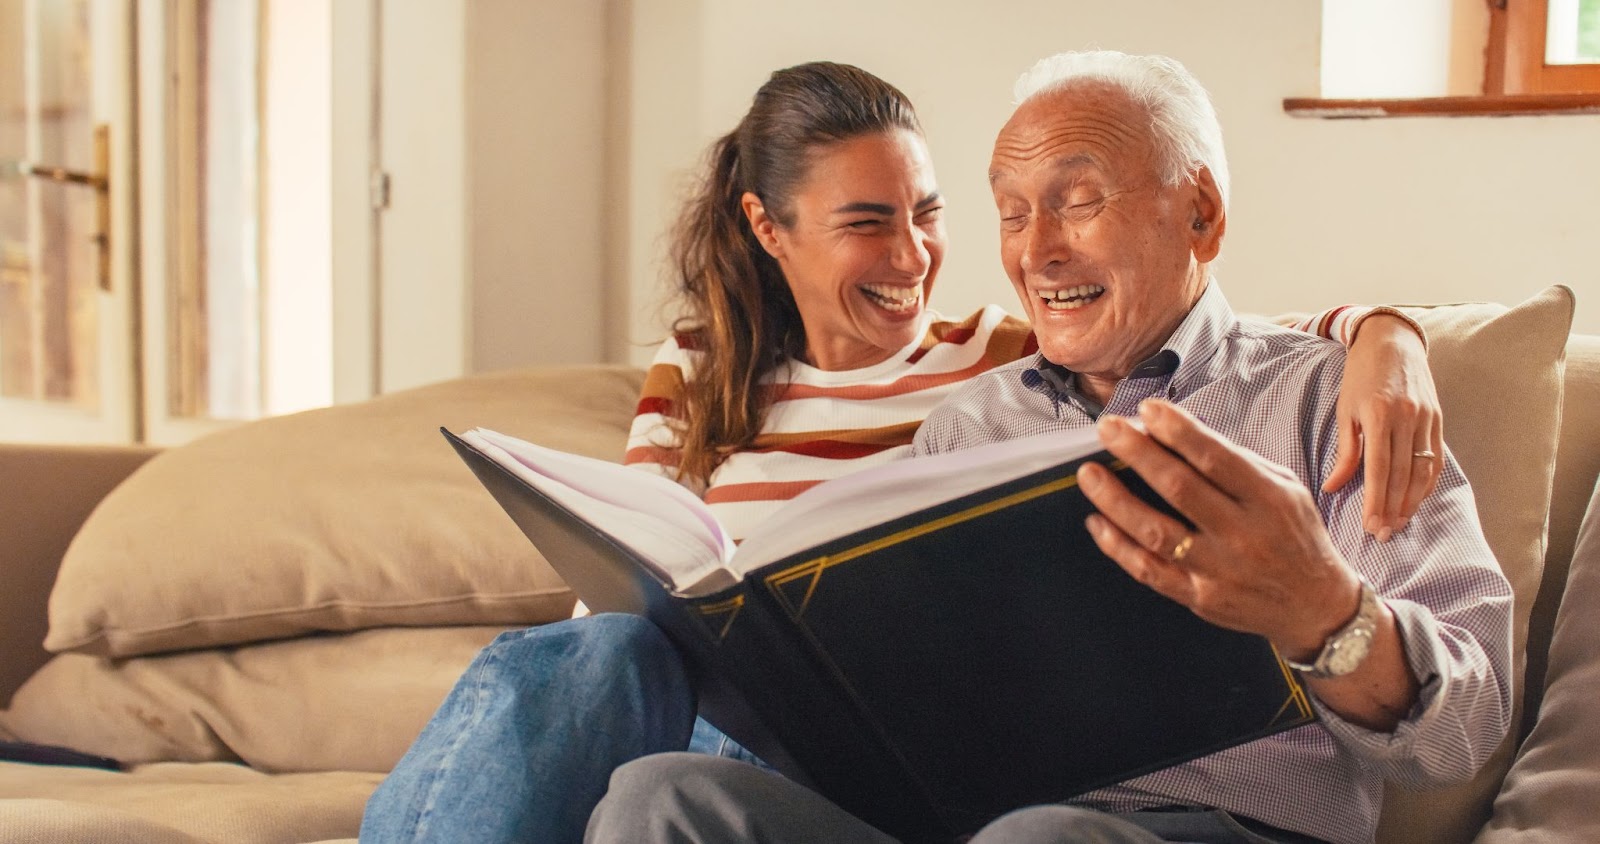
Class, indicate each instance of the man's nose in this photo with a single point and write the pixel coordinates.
(1045, 241)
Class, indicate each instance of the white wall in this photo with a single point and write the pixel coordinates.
(1413, 209)
(297, 318)
(352, 227)
(1420, 48)
(493, 131)
(1378, 48)
(536, 145)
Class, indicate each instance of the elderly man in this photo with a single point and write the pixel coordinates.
(1111, 186)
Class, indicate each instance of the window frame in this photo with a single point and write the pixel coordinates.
(1516, 49)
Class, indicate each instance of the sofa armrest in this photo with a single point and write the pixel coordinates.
(46, 493)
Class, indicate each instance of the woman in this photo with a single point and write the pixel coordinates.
(806, 350)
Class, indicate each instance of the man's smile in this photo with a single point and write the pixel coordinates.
(1068, 298)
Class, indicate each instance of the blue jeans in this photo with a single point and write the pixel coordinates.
(523, 747)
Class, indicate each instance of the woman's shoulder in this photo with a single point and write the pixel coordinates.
(679, 351)
(987, 316)
(1003, 337)
(671, 367)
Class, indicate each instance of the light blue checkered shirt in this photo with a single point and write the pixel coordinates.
(1273, 390)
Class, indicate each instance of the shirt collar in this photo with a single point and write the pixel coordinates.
(1185, 356)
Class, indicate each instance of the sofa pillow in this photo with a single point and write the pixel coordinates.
(1498, 371)
(336, 519)
(345, 702)
(1549, 794)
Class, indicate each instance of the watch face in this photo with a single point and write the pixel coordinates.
(1348, 653)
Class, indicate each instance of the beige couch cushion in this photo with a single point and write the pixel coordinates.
(350, 702)
(34, 820)
(178, 803)
(1498, 371)
(1549, 795)
(1577, 470)
(332, 520)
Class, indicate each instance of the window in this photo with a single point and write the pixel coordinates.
(246, 280)
(214, 230)
(1543, 47)
(49, 282)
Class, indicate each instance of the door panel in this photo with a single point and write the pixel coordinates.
(65, 224)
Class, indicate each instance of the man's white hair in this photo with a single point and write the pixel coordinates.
(1182, 120)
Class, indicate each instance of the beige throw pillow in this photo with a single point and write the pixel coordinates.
(1549, 795)
(337, 519)
(1498, 371)
(347, 702)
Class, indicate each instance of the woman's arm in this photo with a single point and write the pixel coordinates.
(1388, 412)
(653, 440)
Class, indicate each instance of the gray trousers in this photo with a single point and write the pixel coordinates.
(688, 798)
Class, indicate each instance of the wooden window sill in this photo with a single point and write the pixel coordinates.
(1488, 105)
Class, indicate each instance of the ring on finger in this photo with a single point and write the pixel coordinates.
(1424, 454)
(1181, 550)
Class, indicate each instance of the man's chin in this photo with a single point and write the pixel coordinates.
(1065, 352)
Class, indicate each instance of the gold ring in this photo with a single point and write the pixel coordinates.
(1424, 455)
(1181, 550)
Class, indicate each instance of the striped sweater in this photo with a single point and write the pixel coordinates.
(824, 424)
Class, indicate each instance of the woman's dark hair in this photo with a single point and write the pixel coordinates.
(737, 308)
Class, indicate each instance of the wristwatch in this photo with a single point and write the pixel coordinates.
(1348, 646)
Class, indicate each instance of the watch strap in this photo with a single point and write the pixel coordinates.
(1351, 641)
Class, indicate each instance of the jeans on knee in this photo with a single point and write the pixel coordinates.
(523, 747)
(711, 741)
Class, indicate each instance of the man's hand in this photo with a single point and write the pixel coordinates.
(1389, 411)
(1259, 559)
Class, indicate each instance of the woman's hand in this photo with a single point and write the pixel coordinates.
(1388, 411)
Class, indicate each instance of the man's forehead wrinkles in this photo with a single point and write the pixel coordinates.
(1038, 141)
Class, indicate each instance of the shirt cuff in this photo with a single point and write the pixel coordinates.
(1400, 755)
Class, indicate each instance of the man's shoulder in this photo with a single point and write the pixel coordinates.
(969, 413)
(992, 381)
(1272, 335)
(1254, 342)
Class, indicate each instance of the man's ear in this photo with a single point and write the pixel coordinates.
(765, 228)
(1210, 217)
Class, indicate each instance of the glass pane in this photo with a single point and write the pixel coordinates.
(16, 246)
(49, 308)
(1589, 31)
(1572, 34)
(214, 360)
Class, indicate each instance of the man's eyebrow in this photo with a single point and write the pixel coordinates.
(880, 208)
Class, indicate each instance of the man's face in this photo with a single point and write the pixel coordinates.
(1105, 257)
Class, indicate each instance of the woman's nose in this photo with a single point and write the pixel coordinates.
(910, 255)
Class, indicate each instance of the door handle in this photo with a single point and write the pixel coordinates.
(98, 180)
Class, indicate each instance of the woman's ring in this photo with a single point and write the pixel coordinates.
(1424, 454)
(1181, 550)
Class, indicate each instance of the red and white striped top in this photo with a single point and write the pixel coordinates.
(825, 424)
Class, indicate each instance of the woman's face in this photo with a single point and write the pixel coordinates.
(864, 244)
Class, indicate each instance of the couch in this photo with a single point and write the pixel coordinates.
(257, 623)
